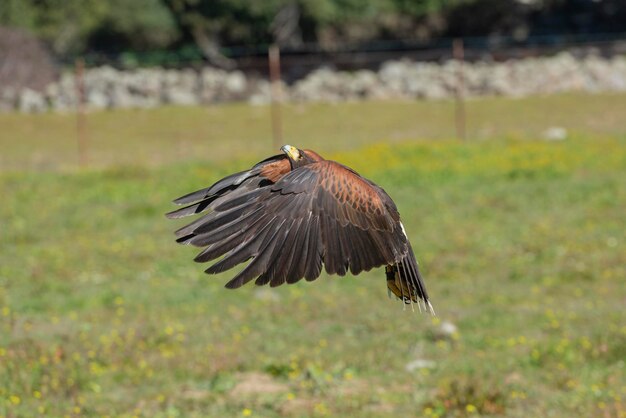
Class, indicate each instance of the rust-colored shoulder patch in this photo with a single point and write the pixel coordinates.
(313, 155)
(354, 193)
(275, 170)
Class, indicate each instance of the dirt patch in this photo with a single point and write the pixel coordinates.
(196, 394)
(355, 387)
(249, 384)
(297, 407)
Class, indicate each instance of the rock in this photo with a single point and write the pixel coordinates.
(445, 331)
(447, 328)
(365, 84)
(176, 96)
(555, 133)
(393, 75)
(266, 294)
(235, 83)
(97, 99)
(120, 97)
(107, 87)
(420, 364)
(180, 87)
(261, 93)
(63, 96)
(31, 101)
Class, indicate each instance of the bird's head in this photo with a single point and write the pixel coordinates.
(298, 157)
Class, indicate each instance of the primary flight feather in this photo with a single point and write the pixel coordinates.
(293, 214)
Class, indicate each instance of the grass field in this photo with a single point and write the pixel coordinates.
(211, 134)
(522, 242)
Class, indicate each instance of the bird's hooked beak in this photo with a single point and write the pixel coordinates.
(292, 152)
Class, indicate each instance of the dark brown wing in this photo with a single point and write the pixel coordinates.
(288, 224)
(262, 174)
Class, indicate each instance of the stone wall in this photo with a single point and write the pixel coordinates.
(106, 87)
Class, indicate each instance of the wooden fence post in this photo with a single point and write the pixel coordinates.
(276, 96)
(459, 55)
(81, 122)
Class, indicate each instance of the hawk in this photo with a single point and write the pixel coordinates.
(292, 215)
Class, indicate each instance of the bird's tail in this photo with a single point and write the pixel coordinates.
(405, 282)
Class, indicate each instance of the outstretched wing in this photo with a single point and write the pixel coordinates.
(288, 224)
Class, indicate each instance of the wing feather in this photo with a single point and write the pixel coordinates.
(315, 251)
(227, 182)
(259, 264)
(282, 263)
(244, 251)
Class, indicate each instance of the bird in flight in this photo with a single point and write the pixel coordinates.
(295, 213)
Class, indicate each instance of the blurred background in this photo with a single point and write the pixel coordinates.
(497, 126)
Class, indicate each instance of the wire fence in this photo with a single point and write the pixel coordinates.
(298, 61)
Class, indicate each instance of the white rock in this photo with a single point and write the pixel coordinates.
(181, 97)
(555, 133)
(447, 328)
(31, 101)
(420, 364)
(108, 87)
(236, 82)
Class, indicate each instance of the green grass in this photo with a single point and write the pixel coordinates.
(168, 135)
(522, 243)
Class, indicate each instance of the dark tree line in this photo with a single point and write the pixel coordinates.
(72, 27)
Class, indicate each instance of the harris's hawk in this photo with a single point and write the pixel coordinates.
(293, 213)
